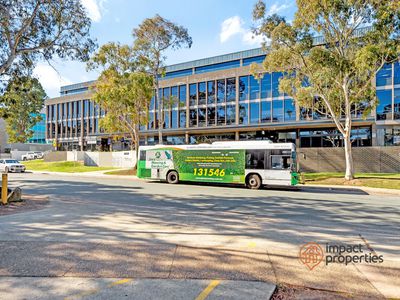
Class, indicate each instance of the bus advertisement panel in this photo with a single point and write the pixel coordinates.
(226, 166)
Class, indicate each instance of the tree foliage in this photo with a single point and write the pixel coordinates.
(20, 107)
(335, 74)
(152, 38)
(41, 29)
(121, 90)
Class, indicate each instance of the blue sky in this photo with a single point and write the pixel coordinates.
(216, 26)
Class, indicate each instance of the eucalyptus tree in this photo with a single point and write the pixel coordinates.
(121, 90)
(33, 30)
(336, 75)
(153, 37)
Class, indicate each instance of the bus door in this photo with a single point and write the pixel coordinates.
(278, 166)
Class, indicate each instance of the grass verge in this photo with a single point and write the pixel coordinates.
(375, 180)
(61, 166)
(126, 172)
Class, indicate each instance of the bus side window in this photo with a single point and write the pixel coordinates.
(255, 159)
(142, 155)
(280, 162)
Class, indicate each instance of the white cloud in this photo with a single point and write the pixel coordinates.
(234, 26)
(251, 39)
(276, 8)
(50, 79)
(230, 27)
(93, 8)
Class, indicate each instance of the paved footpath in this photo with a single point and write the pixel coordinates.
(102, 238)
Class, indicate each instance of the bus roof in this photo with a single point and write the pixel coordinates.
(227, 145)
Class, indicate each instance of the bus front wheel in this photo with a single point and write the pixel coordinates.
(173, 177)
(254, 182)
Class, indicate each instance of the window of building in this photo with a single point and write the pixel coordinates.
(392, 136)
(266, 86)
(58, 111)
(151, 120)
(211, 116)
(243, 114)
(218, 66)
(202, 117)
(265, 111)
(193, 118)
(166, 119)
(182, 118)
(202, 93)
(396, 107)
(290, 110)
(230, 114)
(193, 94)
(85, 108)
(384, 75)
(166, 98)
(243, 88)
(254, 85)
(277, 111)
(221, 115)
(85, 131)
(211, 92)
(90, 126)
(174, 118)
(396, 78)
(152, 101)
(174, 140)
(276, 76)
(255, 59)
(182, 95)
(180, 73)
(174, 96)
(64, 110)
(305, 113)
(221, 91)
(255, 159)
(384, 108)
(231, 89)
(254, 112)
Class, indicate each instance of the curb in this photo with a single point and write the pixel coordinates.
(362, 188)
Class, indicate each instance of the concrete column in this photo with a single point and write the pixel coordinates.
(81, 135)
(374, 133)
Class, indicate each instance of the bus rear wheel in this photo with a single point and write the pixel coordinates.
(254, 182)
(173, 177)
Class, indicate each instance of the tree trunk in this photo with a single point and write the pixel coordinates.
(349, 157)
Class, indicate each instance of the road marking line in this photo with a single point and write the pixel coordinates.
(203, 295)
(122, 281)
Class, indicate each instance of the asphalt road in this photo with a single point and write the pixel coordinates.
(124, 236)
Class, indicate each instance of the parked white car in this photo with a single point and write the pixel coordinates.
(39, 155)
(29, 156)
(11, 165)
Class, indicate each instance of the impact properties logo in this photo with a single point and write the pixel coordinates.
(312, 254)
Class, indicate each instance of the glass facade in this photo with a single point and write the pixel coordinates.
(237, 101)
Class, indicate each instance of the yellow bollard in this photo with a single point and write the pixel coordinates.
(4, 188)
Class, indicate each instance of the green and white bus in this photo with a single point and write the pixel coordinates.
(252, 163)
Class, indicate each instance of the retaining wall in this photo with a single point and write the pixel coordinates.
(366, 159)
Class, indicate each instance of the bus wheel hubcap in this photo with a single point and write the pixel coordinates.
(253, 181)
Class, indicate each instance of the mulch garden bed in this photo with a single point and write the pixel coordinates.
(28, 203)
